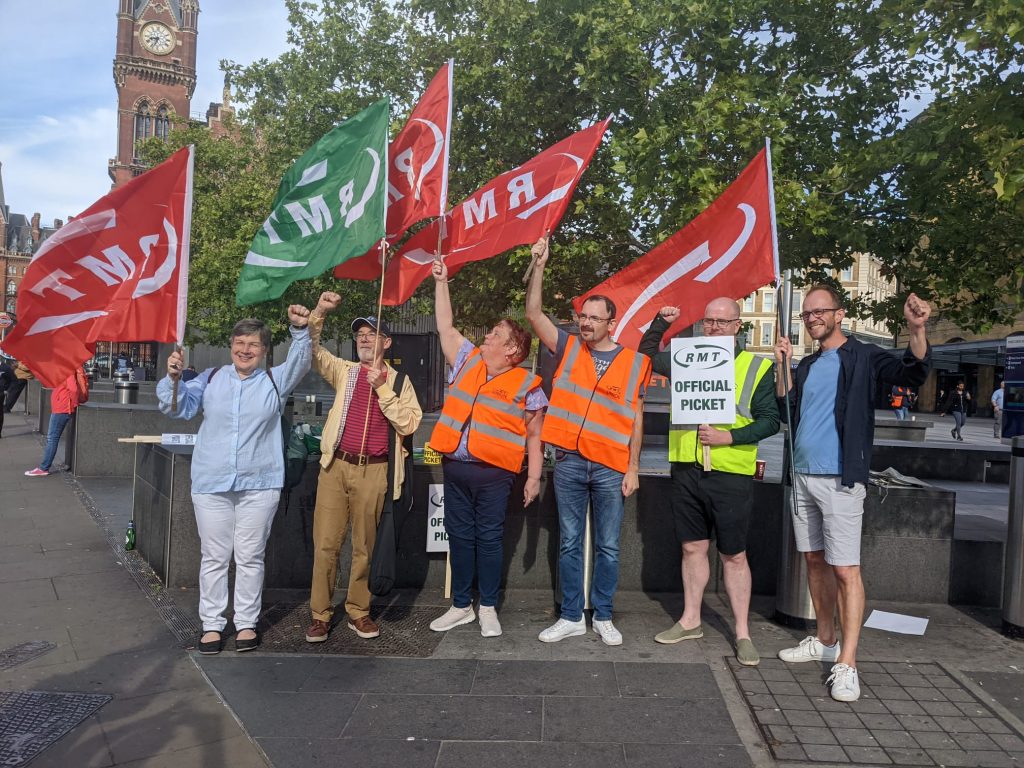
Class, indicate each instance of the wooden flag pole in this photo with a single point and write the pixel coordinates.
(376, 342)
(707, 454)
(533, 261)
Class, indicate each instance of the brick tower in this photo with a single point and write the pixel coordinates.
(155, 74)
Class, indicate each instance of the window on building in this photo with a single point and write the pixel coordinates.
(11, 269)
(10, 305)
(11, 288)
(846, 274)
(748, 304)
(163, 122)
(768, 301)
(143, 122)
(767, 334)
(794, 334)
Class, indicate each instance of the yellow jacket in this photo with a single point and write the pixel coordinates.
(402, 410)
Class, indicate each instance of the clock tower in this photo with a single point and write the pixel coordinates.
(154, 72)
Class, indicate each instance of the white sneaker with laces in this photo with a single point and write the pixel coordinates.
(452, 618)
(810, 649)
(562, 629)
(489, 624)
(609, 634)
(845, 683)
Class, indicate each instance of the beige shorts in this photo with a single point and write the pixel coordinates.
(829, 517)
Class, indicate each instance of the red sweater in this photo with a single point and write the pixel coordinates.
(66, 397)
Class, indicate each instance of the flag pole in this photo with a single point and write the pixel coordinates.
(533, 261)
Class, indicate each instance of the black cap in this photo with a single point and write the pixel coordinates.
(379, 326)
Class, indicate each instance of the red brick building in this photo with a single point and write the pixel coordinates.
(20, 237)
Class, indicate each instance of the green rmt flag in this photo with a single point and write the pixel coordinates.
(330, 207)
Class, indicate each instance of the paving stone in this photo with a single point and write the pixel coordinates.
(918, 723)
(458, 754)
(941, 709)
(959, 695)
(871, 755)
(929, 693)
(1004, 687)
(337, 674)
(899, 707)
(789, 752)
(770, 674)
(794, 702)
(785, 689)
(294, 714)
(804, 717)
(857, 737)
(236, 752)
(823, 753)
(752, 686)
(462, 718)
(646, 755)
(953, 757)
(975, 741)
(934, 740)
(995, 759)
(909, 756)
(825, 703)
(667, 721)
(688, 681)
(911, 680)
(956, 724)
(365, 753)
(1009, 742)
(770, 716)
(972, 710)
(782, 734)
(945, 681)
(256, 676)
(540, 678)
(876, 722)
(886, 738)
(762, 701)
(841, 720)
(812, 689)
(808, 735)
(746, 673)
(990, 725)
(865, 706)
(888, 693)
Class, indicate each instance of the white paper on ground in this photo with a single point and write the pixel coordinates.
(896, 622)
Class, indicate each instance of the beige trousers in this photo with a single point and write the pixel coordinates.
(345, 492)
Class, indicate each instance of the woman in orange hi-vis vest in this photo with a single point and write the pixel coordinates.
(490, 421)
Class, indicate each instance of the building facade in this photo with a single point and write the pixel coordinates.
(154, 72)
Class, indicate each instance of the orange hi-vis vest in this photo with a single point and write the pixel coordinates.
(595, 416)
(494, 410)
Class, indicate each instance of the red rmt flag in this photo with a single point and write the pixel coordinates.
(730, 249)
(118, 272)
(417, 173)
(516, 208)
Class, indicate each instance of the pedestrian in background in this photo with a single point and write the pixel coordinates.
(64, 401)
(6, 381)
(237, 467)
(899, 400)
(957, 402)
(21, 378)
(997, 409)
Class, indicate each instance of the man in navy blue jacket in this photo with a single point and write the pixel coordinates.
(833, 410)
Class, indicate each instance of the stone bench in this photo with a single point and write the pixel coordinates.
(902, 429)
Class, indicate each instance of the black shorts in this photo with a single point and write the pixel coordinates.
(711, 505)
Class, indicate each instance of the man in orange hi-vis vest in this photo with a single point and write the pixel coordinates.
(595, 425)
(490, 422)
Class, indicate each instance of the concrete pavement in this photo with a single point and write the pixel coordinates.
(950, 697)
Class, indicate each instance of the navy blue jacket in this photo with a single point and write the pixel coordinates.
(861, 366)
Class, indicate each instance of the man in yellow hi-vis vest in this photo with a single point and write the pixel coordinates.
(719, 501)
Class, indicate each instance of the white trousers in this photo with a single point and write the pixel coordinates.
(238, 522)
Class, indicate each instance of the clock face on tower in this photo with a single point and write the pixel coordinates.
(157, 38)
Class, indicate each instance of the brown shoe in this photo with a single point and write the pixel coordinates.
(317, 631)
(364, 626)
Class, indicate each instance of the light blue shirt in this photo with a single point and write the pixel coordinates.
(239, 446)
(816, 445)
(997, 399)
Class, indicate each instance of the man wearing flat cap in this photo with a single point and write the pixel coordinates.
(371, 414)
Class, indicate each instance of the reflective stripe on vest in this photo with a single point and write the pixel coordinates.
(493, 413)
(595, 417)
(683, 445)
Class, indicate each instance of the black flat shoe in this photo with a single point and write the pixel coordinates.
(211, 647)
(246, 645)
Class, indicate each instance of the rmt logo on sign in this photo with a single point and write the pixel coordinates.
(703, 357)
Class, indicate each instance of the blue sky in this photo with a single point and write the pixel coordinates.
(58, 104)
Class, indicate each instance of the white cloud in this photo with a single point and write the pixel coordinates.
(58, 123)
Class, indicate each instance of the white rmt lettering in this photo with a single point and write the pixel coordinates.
(477, 212)
(116, 269)
(393, 194)
(520, 190)
(52, 282)
(272, 237)
(318, 216)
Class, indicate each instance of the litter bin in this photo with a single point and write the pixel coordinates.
(1013, 552)
(126, 392)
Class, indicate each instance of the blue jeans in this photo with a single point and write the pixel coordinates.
(475, 498)
(577, 482)
(57, 423)
(901, 413)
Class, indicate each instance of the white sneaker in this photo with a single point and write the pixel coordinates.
(845, 683)
(489, 624)
(562, 629)
(452, 618)
(608, 632)
(810, 649)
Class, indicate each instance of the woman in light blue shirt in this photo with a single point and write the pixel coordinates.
(237, 467)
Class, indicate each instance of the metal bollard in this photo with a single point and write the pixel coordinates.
(1013, 552)
(127, 392)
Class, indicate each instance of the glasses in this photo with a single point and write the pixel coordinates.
(817, 313)
(593, 319)
(714, 322)
(368, 336)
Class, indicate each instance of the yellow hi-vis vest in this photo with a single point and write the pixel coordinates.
(683, 445)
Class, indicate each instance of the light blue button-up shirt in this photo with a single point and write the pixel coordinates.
(239, 446)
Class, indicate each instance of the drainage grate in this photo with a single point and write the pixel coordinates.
(19, 654)
(30, 721)
(404, 631)
(908, 714)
